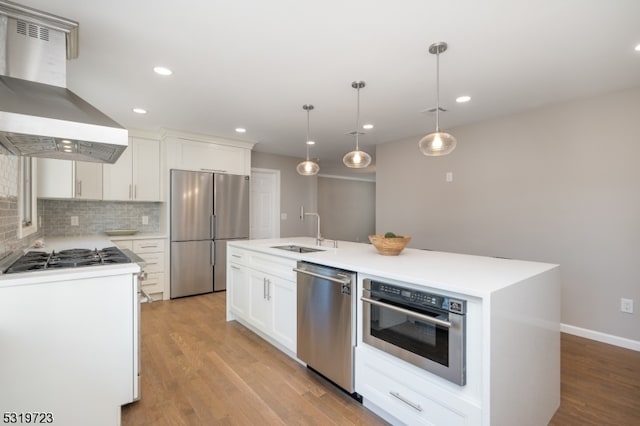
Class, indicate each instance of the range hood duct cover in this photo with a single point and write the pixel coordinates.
(39, 116)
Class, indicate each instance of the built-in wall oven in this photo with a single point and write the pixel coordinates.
(420, 327)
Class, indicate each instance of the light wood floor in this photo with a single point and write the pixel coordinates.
(197, 369)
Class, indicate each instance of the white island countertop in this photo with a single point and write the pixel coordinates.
(465, 274)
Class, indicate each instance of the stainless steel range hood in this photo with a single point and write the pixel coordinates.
(39, 116)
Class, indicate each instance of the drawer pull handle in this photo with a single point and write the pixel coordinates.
(406, 401)
(236, 255)
(148, 246)
(235, 268)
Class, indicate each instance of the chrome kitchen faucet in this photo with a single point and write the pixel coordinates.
(319, 238)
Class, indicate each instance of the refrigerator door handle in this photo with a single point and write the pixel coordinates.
(213, 226)
(213, 253)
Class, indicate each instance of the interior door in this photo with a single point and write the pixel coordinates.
(265, 204)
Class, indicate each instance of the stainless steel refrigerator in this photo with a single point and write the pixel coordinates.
(207, 210)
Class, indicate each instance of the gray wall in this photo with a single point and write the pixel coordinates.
(559, 184)
(295, 191)
(347, 208)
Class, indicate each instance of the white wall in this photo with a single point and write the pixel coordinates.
(559, 184)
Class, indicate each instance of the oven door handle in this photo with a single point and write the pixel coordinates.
(332, 279)
(426, 318)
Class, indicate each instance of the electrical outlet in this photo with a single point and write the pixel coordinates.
(626, 305)
(283, 216)
(74, 220)
(145, 220)
(449, 177)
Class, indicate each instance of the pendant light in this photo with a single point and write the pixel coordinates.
(357, 159)
(308, 167)
(437, 143)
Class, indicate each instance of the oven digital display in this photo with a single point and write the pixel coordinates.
(405, 293)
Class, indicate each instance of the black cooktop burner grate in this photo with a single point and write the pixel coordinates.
(72, 258)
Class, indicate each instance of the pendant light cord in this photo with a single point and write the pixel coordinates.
(438, 91)
(307, 141)
(358, 118)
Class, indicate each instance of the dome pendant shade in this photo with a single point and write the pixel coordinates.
(308, 167)
(437, 143)
(356, 159)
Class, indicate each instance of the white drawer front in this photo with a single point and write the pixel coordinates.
(154, 283)
(411, 398)
(238, 256)
(154, 262)
(275, 265)
(148, 246)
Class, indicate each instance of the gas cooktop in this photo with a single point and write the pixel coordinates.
(73, 258)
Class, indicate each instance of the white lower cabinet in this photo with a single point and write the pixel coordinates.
(153, 253)
(263, 300)
(409, 397)
(238, 289)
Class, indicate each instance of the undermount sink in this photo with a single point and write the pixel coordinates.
(297, 249)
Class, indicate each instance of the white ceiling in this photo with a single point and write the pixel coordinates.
(254, 63)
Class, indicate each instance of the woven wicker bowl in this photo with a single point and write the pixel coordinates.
(389, 246)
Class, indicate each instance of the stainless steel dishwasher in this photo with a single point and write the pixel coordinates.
(326, 322)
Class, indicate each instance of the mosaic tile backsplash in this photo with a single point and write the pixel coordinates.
(94, 217)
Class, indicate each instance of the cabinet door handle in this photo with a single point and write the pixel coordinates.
(406, 401)
(264, 288)
(79, 188)
(268, 289)
(130, 191)
(135, 191)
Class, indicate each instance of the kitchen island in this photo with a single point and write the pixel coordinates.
(69, 341)
(512, 336)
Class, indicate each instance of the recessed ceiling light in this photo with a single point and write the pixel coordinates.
(367, 126)
(66, 142)
(140, 110)
(638, 48)
(162, 70)
(463, 99)
(241, 130)
(311, 143)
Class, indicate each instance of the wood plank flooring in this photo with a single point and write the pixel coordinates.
(197, 369)
(600, 384)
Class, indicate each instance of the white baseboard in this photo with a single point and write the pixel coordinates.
(601, 337)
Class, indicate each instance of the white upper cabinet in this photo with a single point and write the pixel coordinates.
(88, 181)
(136, 174)
(189, 151)
(69, 179)
(213, 158)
